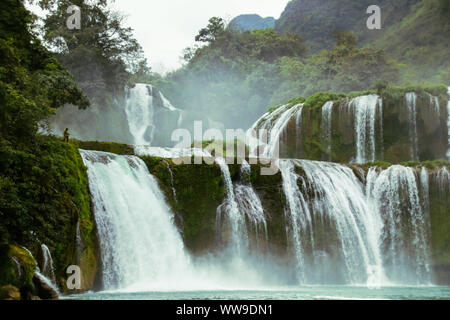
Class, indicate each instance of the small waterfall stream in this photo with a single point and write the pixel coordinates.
(411, 104)
(239, 237)
(47, 264)
(140, 112)
(448, 124)
(140, 108)
(327, 113)
(250, 205)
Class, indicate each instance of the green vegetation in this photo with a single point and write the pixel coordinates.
(111, 147)
(44, 192)
(43, 182)
(243, 72)
(415, 32)
(16, 265)
(233, 77)
(199, 191)
(103, 55)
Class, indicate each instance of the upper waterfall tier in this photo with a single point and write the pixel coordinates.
(139, 115)
(393, 127)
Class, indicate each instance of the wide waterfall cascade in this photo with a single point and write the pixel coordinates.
(448, 124)
(331, 196)
(141, 248)
(395, 192)
(411, 104)
(365, 110)
(327, 113)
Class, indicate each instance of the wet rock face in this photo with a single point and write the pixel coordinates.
(43, 290)
(9, 292)
(17, 266)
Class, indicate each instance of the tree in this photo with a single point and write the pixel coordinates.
(32, 82)
(102, 54)
(215, 28)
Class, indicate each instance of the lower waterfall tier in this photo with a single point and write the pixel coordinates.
(312, 223)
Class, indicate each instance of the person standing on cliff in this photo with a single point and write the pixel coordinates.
(66, 135)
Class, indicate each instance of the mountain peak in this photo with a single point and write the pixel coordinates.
(248, 22)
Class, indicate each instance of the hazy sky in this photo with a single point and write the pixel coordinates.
(165, 27)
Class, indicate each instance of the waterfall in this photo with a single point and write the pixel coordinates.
(345, 231)
(411, 104)
(434, 104)
(327, 113)
(140, 245)
(364, 109)
(448, 124)
(239, 236)
(47, 264)
(250, 204)
(78, 241)
(443, 182)
(140, 108)
(298, 213)
(275, 123)
(140, 112)
(404, 239)
(174, 192)
(141, 248)
(170, 153)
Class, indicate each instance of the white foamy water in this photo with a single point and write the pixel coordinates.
(47, 264)
(343, 228)
(327, 113)
(448, 124)
(365, 109)
(411, 104)
(170, 153)
(141, 248)
(274, 123)
(395, 194)
(140, 112)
